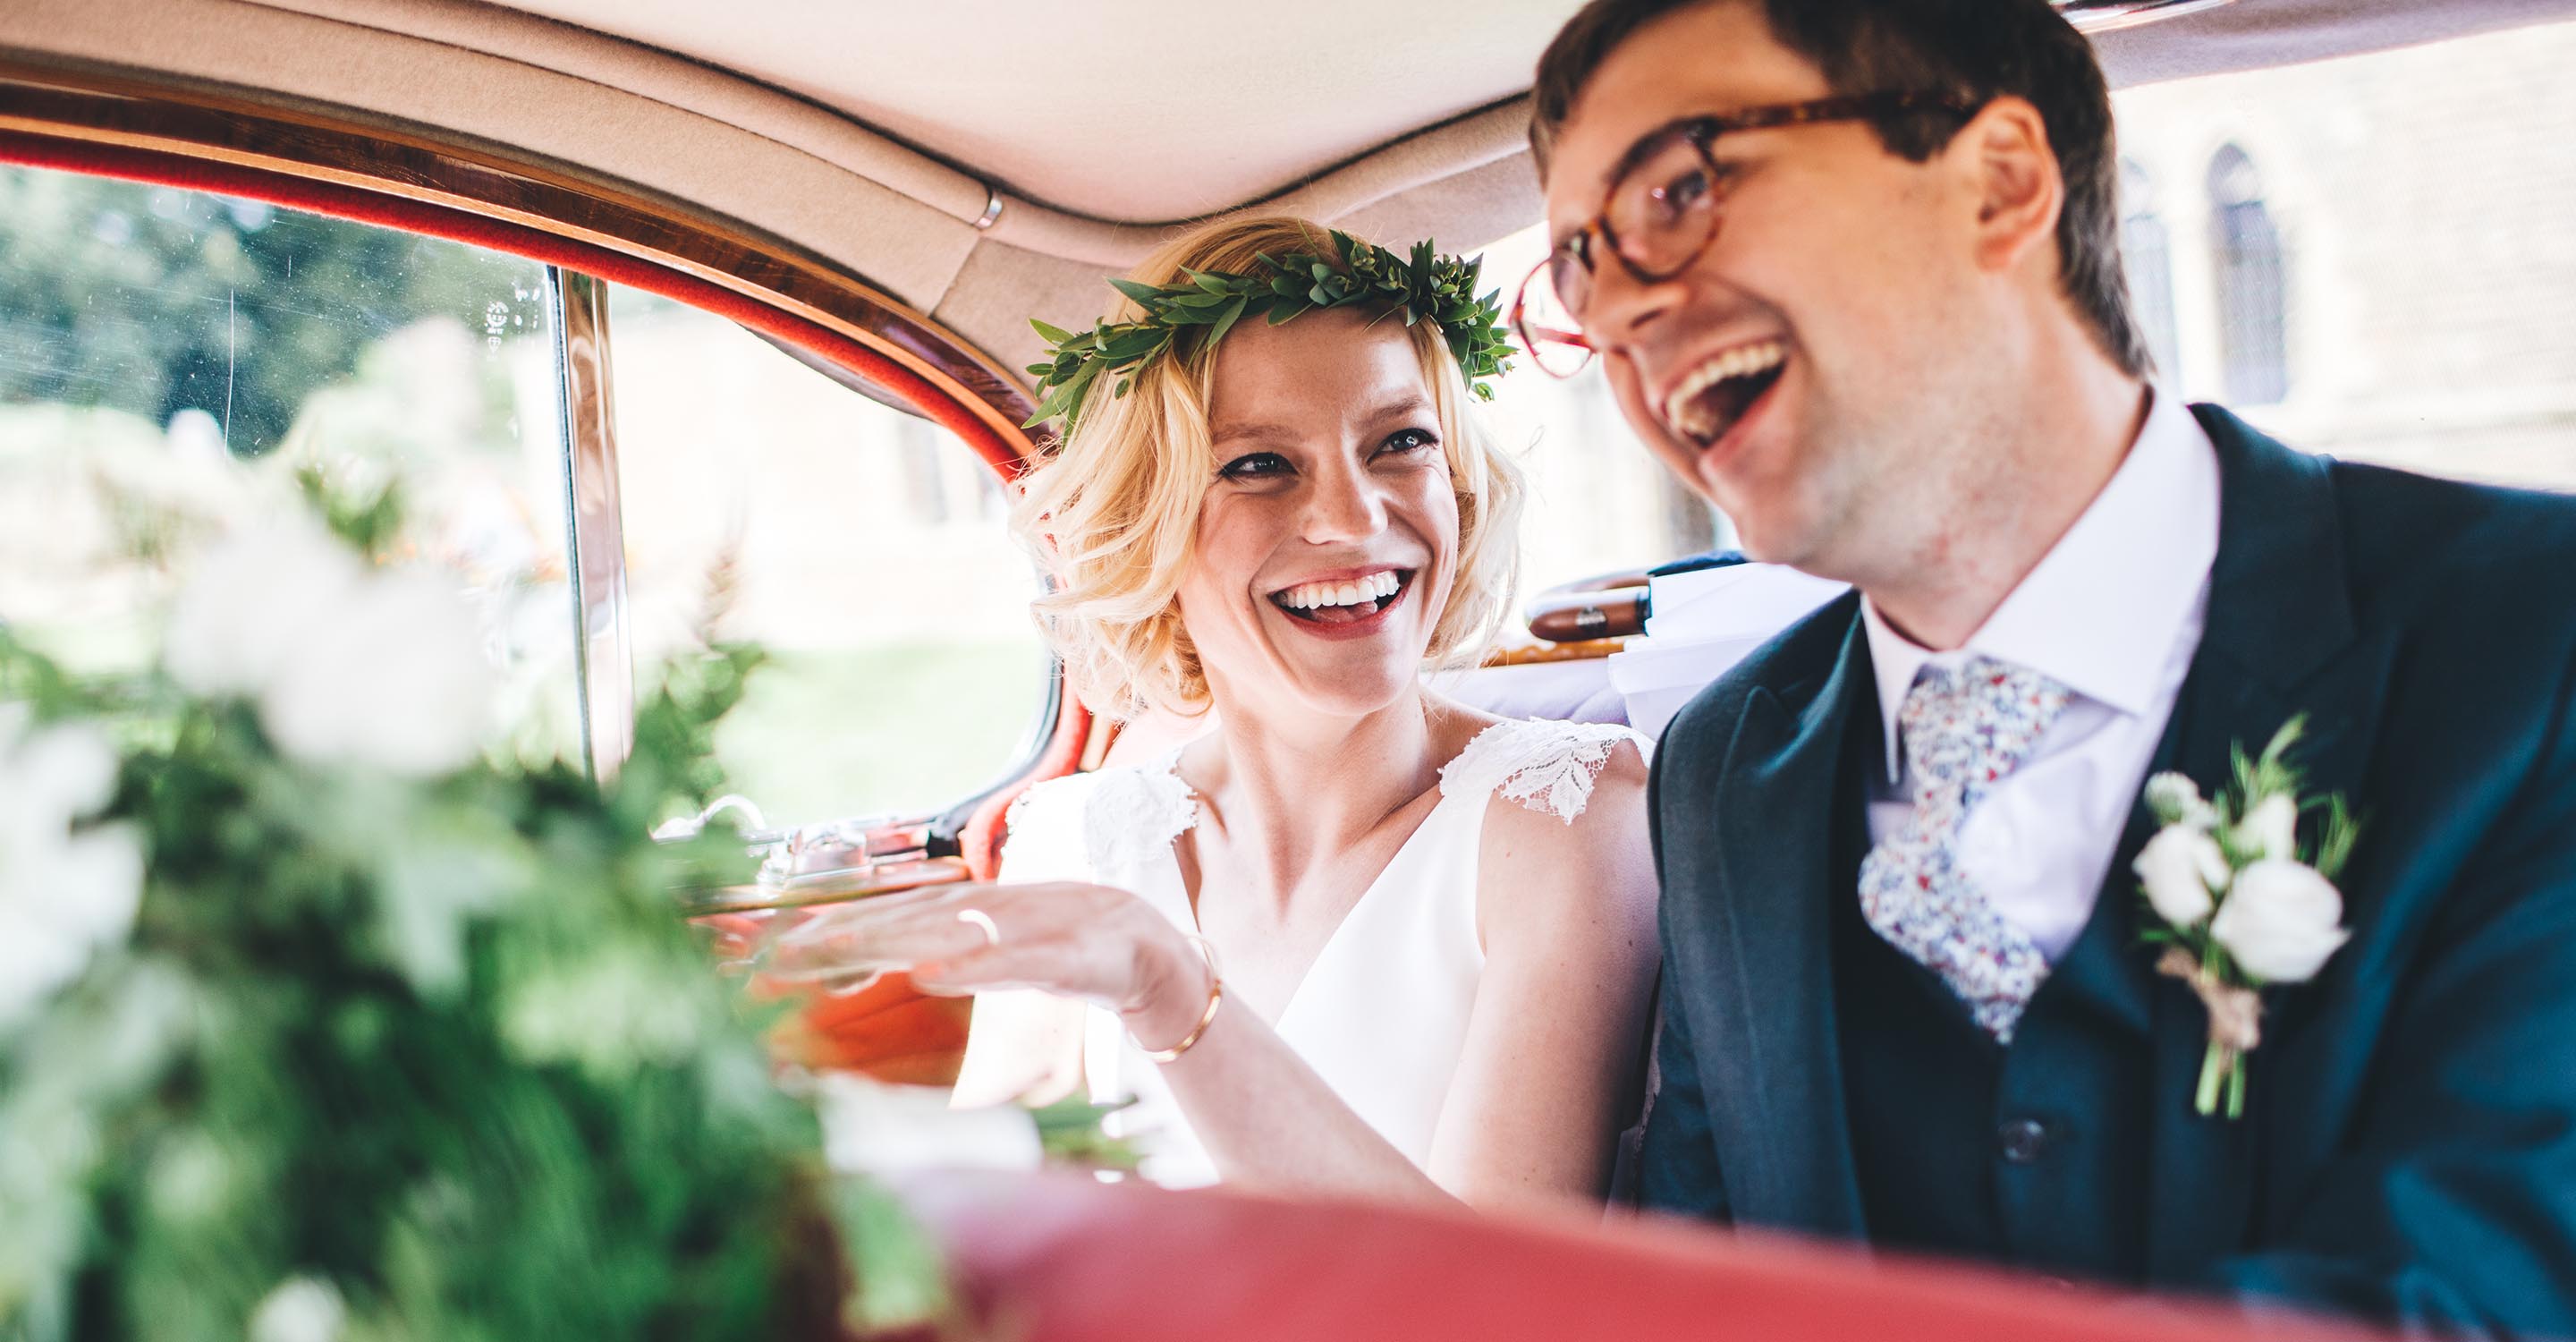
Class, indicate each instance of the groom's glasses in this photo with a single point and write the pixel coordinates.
(1666, 202)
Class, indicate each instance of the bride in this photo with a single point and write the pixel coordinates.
(1358, 939)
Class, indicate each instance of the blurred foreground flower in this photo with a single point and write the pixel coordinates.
(65, 891)
(421, 1048)
(872, 1127)
(299, 1310)
(347, 665)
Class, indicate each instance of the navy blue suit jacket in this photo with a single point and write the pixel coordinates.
(2409, 1146)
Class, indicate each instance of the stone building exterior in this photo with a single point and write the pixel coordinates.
(2424, 207)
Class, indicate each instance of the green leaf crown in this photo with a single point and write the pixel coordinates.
(1437, 289)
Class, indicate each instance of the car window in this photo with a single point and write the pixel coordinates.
(170, 360)
(1598, 502)
(2370, 256)
(863, 546)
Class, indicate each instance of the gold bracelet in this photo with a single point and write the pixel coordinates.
(1216, 995)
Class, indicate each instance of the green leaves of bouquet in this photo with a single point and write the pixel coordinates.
(391, 1044)
(1424, 287)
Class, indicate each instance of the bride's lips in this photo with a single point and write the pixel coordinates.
(1343, 629)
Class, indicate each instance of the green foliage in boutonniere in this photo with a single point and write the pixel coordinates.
(2238, 902)
(1437, 289)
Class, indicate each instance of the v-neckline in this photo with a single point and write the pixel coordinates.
(1170, 766)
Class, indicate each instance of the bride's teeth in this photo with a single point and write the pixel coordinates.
(1310, 595)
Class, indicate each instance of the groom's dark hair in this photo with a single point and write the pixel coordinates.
(1985, 48)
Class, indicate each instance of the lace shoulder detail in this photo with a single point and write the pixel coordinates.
(1099, 826)
(1544, 765)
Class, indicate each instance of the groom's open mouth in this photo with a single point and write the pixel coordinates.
(1345, 604)
(1722, 392)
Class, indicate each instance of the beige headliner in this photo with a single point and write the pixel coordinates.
(877, 143)
(1132, 110)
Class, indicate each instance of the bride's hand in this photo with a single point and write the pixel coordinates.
(1092, 942)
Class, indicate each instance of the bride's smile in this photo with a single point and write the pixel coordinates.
(1327, 542)
(1346, 608)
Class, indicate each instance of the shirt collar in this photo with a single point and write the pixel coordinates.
(2104, 607)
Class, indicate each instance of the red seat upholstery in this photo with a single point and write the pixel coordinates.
(1064, 1259)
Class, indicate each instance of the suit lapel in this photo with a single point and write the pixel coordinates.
(1785, 1136)
(2280, 641)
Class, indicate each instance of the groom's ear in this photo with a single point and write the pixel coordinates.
(2017, 185)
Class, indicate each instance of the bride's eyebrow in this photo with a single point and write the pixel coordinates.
(1256, 432)
(1406, 406)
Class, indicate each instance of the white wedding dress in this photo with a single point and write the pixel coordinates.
(1382, 1013)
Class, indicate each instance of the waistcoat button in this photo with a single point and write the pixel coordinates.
(2021, 1140)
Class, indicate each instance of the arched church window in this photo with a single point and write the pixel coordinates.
(2252, 293)
(2146, 249)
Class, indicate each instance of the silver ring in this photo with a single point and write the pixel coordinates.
(981, 922)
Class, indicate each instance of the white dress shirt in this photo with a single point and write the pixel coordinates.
(2113, 612)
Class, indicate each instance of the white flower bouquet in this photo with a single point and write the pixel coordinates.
(317, 1023)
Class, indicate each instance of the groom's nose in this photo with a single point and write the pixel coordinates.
(1624, 310)
(1343, 502)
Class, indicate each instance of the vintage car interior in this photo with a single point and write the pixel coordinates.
(696, 308)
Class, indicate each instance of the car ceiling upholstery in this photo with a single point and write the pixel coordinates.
(875, 135)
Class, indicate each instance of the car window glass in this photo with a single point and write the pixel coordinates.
(2369, 256)
(863, 546)
(1598, 502)
(170, 360)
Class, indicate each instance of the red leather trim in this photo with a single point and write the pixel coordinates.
(1065, 1259)
(981, 840)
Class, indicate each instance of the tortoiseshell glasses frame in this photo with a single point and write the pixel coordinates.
(1663, 209)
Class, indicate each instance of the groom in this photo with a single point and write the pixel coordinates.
(1852, 267)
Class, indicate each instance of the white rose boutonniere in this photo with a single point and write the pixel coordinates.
(2281, 922)
(2184, 872)
(2236, 903)
(2271, 829)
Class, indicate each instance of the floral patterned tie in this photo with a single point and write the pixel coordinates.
(1964, 729)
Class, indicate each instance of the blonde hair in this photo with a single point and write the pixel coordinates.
(1112, 509)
